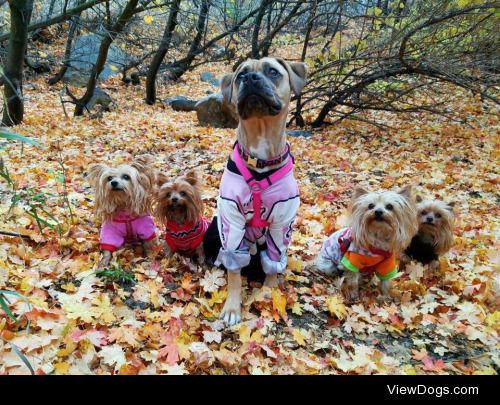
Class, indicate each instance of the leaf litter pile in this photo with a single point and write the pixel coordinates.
(158, 315)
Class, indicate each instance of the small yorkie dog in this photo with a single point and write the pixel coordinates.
(123, 199)
(381, 225)
(180, 208)
(435, 233)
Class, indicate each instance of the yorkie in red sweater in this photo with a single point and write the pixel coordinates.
(179, 206)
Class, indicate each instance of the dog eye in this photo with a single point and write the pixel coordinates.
(240, 76)
(371, 206)
(424, 212)
(110, 178)
(273, 72)
(126, 177)
(169, 194)
(182, 193)
(389, 207)
(438, 215)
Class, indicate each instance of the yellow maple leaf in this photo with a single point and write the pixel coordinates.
(336, 306)
(299, 337)
(244, 333)
(69, 287)
(279, 302)
(70, 348)
(61, 368)
(218, 297)
(297, 308)
(295, 265)
(148, 19)
(102, 309)
(113, 68)
(409, 369)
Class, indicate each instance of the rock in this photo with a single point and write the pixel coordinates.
(210, 78)
(214, 111)
(297, 133)
(181, 103)
(38, 65)
(101, 98)
(84, 55)
(222, 52)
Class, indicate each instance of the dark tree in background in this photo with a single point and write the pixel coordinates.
(113, 31)
(161, 52)
(20, 15)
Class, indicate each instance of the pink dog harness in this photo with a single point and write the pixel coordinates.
(125, 228)
(256, 209)
(257, 187)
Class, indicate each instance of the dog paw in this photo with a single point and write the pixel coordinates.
(201, 259)
(231, 313)
(351, 296)
(385, 299)
(434, 265)
(105, 260)
(271, 281)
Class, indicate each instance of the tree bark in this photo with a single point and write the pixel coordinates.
(161, 52)
(257, 24)
(20, 15)
(177, 69)
(128, 12)
(73, 28)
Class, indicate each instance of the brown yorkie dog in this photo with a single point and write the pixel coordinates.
(123, 198)
(435, 233)
(180, 208)
(381, 225)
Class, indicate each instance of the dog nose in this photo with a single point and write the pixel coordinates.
(114, 183)
(430, 220)
(255, 77)
(379, 213)
(175, 199)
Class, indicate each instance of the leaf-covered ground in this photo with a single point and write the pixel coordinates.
(166, 322)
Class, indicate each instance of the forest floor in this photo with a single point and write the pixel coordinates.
(167, 320)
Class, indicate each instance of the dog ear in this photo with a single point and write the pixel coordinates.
(94, 173)
(161, 179)
(407, 192)
(141, 162)
(419, 198)
(297, 72)
(226, 85)
(358, 192)
(191, 178)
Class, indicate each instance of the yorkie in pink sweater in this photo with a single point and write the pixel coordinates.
(123, 198)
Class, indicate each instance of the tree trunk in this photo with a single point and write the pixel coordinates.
(310, 24)
(51, 9)
(177, 69)
(128, 12)
(20, 15)
(69, 44)
(160, 54)
(255, 35)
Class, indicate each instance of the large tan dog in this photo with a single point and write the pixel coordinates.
(260, 90)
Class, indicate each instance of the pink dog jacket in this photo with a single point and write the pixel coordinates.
(240, 229)
(125, 228)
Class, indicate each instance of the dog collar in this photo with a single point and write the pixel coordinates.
(261, 163)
